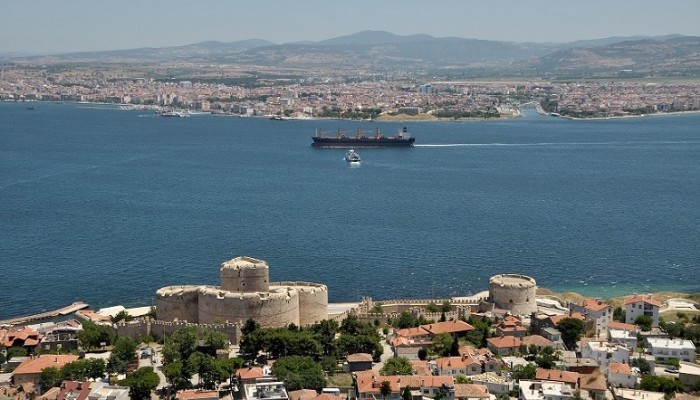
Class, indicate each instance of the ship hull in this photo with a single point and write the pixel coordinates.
(331, 142)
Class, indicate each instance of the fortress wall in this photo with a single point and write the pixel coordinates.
(245, 274)
(313, 301)
(512, 292)
(277, 308)
(178, 303)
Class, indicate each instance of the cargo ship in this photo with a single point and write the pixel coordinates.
(401, 139)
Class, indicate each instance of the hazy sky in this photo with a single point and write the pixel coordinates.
(47, 26)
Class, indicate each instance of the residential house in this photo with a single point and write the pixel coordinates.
(359, 362)
(539, 322)
(30, 369)
(495, 383)
(470, 391)
(689, 374)
(664, 349)
(639, 305)
(544, 390)
(455, 328)
(536, 340)
(489, 362)
(555, 375)
(595, 312)
(369, 383)
(595, 384)
(512, 345)
(636, 394)
(511, 326)
(20, 337)
(104, 391)
(452, 366)
(408, 348)
(73, 390)
(604, 352)
(504, 345)
(625, 334)
(198, 395)
(621, 375)
(302, 394)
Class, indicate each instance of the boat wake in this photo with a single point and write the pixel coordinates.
(555, 144)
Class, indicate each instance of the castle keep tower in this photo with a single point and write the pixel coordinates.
(513, 292)
(245, 293)
(245, 275)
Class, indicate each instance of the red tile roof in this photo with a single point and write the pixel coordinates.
(592, 304)
(250, 373)
(505, 342)
(74, 390)
(412, 332)
(556, 318)
(537, 340)
(619, 368)
(448, 327)
(557, 376)
(470, 390)
(302, 394)
(622, 325)
(197, 394)
(359, 357)
(643, 298)
(36, 364)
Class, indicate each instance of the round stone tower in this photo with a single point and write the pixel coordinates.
(245, 275)
(513, 292)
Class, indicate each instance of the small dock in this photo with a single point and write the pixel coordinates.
(69, 309)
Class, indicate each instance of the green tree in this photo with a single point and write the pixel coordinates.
(215, 340)
(96, 368)
(299, 373)
(442, 344)
(122, 316)
(385, 389)
(406, 320)
(175, 375)
(422, 354)
(325, 335)
(619, 314)
(141, 383)
(49, 377)
(406, 394)
(93, 336)
(524, 372)
(329, 364)
(642, 364)
(397, 366)
(123, 354)
(250, 326)
(571, 330)
(644, 322)
(16, 351)
(660, 384)
(462, 379)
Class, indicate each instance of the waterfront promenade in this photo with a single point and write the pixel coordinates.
(69, 309)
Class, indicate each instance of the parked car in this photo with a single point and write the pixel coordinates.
(672, 370)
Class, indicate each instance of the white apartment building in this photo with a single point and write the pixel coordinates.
(604, 353)
(664, 349)
(638, 305)
(544, 390)
(594, 310)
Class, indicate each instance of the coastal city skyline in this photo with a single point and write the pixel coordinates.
(44, 27)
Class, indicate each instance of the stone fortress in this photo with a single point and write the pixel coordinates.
(245, 293)
(514, 293)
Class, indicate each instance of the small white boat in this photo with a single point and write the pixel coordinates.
(352, 157)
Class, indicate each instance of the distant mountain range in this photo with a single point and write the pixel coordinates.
(379, 50)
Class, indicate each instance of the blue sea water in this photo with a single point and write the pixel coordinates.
(106, 206)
